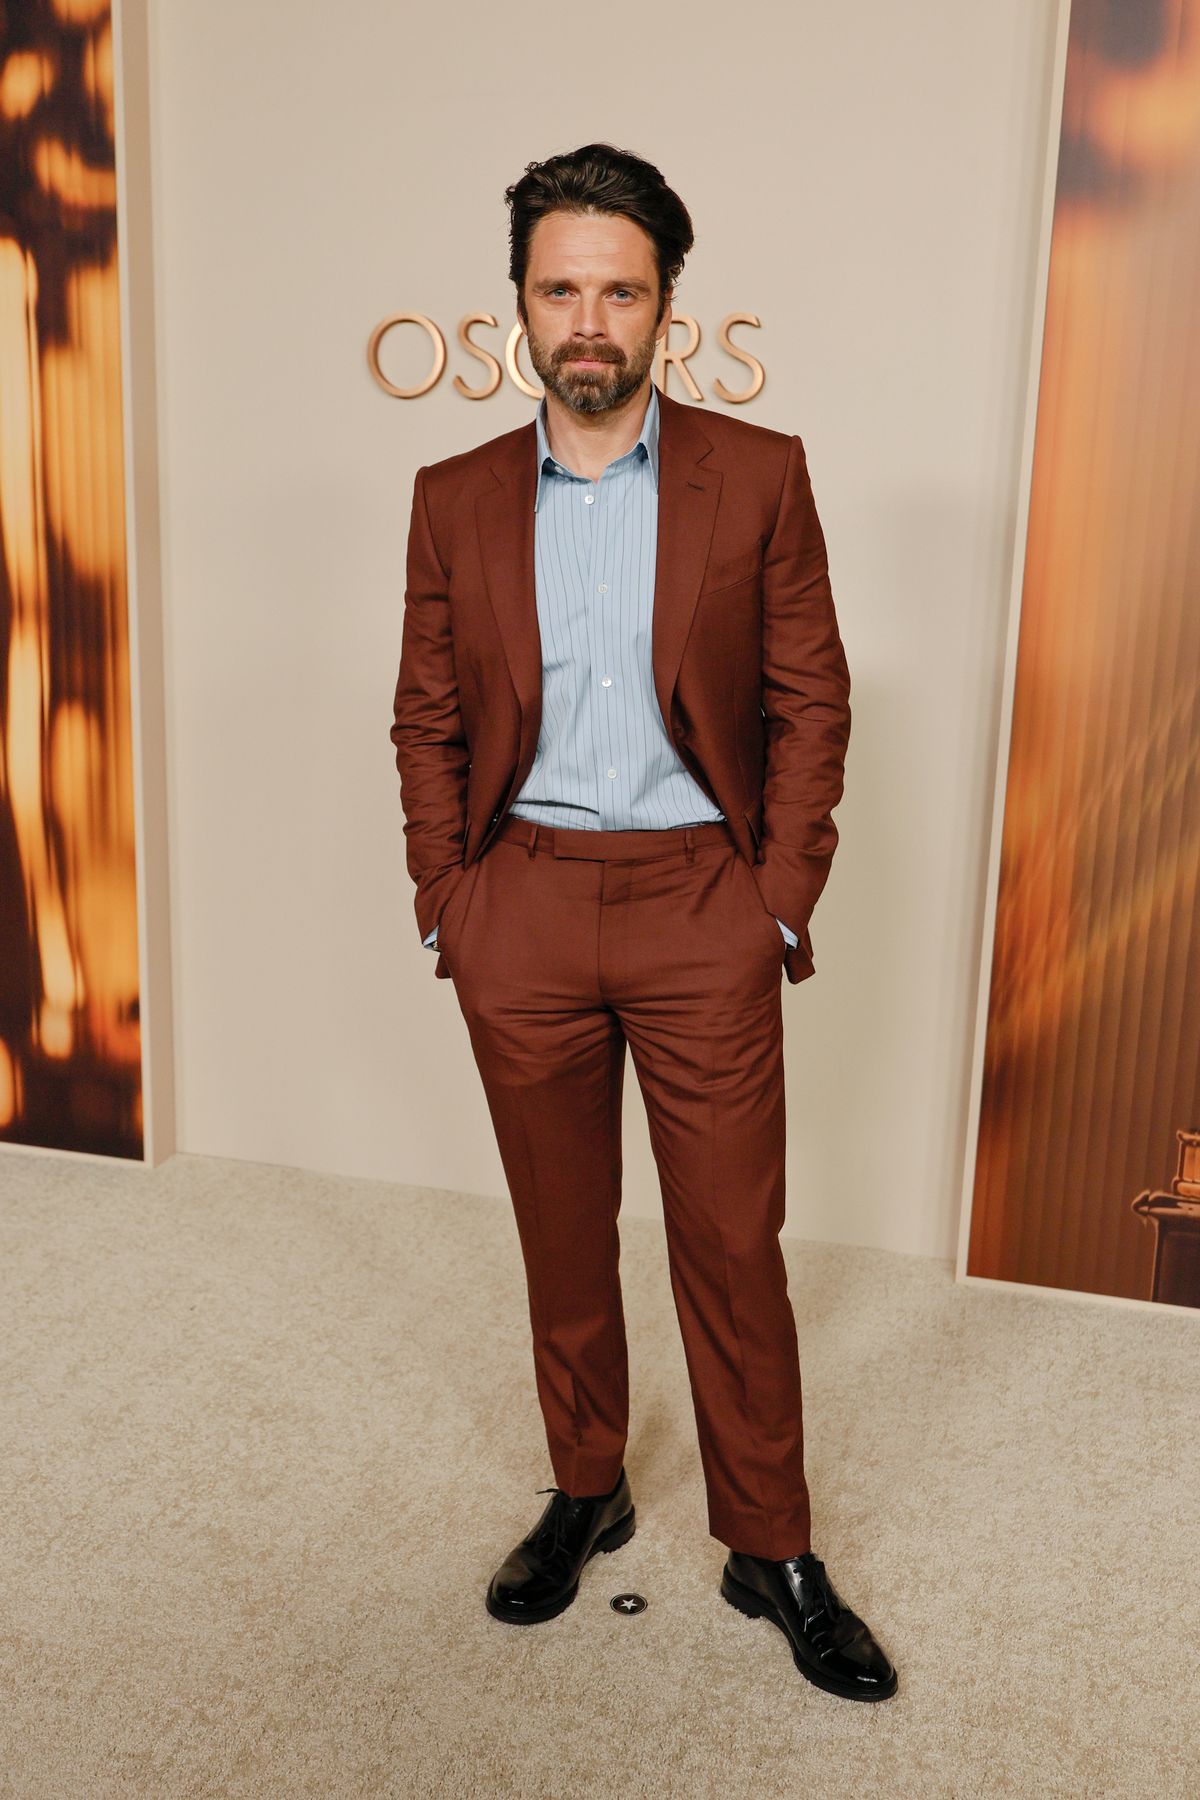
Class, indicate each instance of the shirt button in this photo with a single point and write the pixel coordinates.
(612, 774)
(589, 499)
(602, 587)
(606, 681)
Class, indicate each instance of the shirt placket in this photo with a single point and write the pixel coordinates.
(611, 774)
(576, 753)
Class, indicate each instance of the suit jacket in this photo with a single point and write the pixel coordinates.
(749, 668)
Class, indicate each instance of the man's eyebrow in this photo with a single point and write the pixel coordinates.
(633, 282)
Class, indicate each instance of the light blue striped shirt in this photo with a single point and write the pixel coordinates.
(604, 761)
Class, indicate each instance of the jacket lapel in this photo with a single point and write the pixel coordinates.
(688, 495)
(504, 519)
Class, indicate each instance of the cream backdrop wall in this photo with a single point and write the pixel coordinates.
(867, 180)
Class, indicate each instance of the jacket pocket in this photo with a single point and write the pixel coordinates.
(731, 573)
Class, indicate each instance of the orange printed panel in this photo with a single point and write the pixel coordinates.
(1090, 1101)
(70, 1057)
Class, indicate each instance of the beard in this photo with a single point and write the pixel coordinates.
(591, 390)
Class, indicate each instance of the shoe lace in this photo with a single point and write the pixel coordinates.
(548, 1532)
(824, 1588)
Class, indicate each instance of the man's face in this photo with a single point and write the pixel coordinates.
(591, 297)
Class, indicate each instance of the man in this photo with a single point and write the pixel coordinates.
(620, 726)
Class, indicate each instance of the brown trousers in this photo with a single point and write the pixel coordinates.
(564, 946)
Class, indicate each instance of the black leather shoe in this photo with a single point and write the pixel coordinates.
(830, 1644)
(541, 1576)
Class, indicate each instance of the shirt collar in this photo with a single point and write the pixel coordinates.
(647, 437)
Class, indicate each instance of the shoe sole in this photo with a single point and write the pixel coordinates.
(611, 1538)
(754, 1606)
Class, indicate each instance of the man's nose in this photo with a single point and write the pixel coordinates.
(589, 321)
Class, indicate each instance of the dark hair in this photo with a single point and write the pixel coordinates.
(599, 178)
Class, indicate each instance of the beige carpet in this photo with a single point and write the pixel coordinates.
(266, 1435)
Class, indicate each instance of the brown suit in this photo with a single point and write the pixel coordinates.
(749, 667)
(596, 939)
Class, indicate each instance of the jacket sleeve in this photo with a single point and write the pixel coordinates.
(806, 703)
(432, 756)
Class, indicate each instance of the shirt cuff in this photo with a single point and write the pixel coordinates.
(429, 941)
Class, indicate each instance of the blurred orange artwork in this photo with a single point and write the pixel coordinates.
(1092, 1054)
(70, 1049)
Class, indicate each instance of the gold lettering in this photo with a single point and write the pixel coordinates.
(742, 356)
(511, 363)
(678, 358)
(439, 354)
(667, 357)
(485, 356)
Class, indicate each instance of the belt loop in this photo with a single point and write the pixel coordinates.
(688, 847)
(532, 838)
